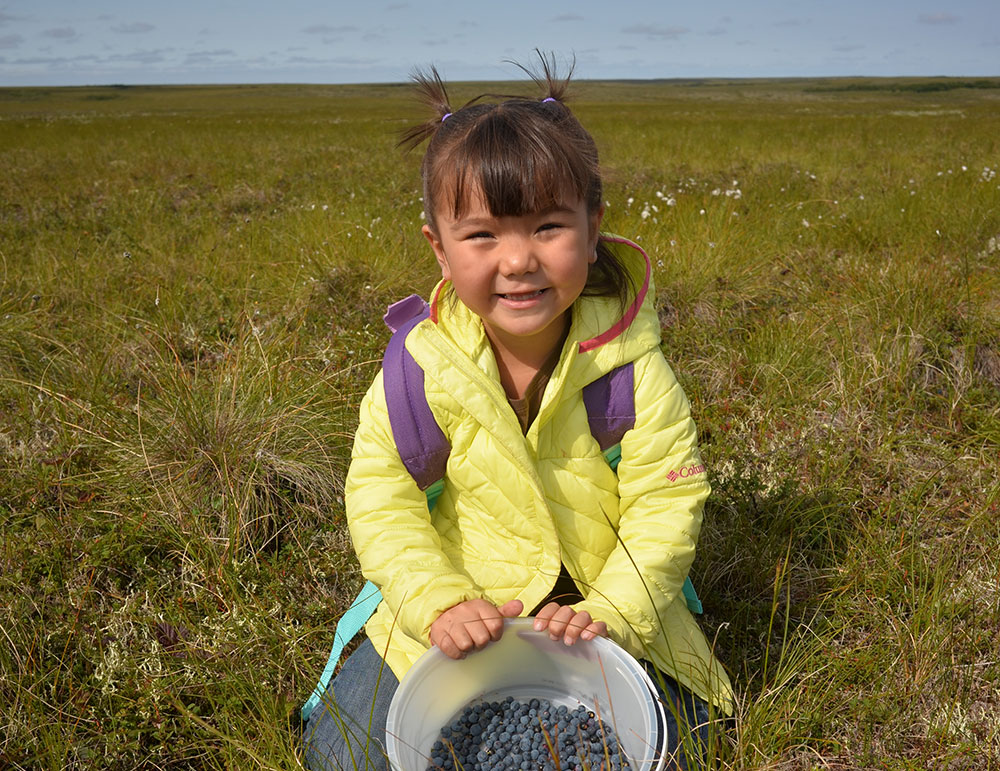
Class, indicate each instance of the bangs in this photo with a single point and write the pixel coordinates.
(517, 164)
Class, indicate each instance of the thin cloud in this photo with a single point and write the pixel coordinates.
(353, 61)
(938, 19)
(326, 29)
(6, 17)
(60, 33)
(789, 23)
(653, 30)
(56, 61)
(208, 57)
(154, 56)
(10, 41)
(721, 28)
(350, 61)
(48, 61)
(133, 28)
(397, 6)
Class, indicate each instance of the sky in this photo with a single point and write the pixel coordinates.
(95, 42)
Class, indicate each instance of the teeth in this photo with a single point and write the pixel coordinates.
(522, 296)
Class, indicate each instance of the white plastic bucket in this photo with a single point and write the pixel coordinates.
(526, 664)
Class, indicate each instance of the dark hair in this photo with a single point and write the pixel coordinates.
(525, 155)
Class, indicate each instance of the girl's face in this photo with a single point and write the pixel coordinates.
(519, 274)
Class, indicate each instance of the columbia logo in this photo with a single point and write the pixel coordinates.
(687, 471)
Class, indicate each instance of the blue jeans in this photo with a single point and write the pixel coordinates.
(687, 751)
(346, 731)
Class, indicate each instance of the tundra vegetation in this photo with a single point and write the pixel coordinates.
(191, 288)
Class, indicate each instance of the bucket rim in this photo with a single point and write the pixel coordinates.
(522, 629)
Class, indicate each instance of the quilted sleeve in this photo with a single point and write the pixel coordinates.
(396, 543)
(662, 489)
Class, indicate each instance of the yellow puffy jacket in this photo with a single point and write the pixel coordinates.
(514, 506)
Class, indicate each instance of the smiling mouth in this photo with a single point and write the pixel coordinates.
(522, 295)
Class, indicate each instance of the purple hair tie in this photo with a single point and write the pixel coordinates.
(446, 116)
(549, 99)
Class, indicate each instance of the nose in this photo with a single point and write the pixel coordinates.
(518, 257)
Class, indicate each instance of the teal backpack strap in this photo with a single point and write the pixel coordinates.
(691, 596)
(354, 619)
(349, 625)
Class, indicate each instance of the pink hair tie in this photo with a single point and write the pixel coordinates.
(446, 116)
(549, 99)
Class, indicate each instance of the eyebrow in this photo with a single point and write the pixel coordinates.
(480, 221)
(473, 222)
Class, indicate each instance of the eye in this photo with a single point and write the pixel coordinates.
(550, 226)
(479, 234)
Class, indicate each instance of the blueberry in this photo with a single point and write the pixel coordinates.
(511, 735)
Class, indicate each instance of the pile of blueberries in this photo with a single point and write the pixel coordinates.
(526, 736)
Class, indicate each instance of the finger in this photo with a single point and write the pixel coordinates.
(439, 632)
(575, 626)
(594, 629)
(559, 621)
(480, 630)
(492, 617)
(494, 625)
(511, 609)
(448, 648)
(543, 616)
(459, 635)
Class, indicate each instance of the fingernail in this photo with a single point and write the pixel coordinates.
(538, 626)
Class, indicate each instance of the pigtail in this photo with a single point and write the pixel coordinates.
(432, 93)
(546, 76)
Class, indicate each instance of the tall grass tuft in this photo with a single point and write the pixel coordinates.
(242, 449)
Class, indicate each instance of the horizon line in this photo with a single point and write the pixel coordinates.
(390, 83)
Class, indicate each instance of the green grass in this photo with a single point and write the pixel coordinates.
(191, 286)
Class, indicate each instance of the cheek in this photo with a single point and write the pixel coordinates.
(468, 275)
(578, 269)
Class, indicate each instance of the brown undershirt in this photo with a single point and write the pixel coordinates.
(526, 408)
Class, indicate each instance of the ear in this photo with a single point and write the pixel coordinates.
(439, 254)
(594, 232)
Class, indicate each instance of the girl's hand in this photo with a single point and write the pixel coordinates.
(470, 625)
(563, 621)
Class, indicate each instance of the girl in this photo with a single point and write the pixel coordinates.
(534, 304)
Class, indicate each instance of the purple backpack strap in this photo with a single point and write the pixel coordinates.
(422, 445)
(610, 403)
